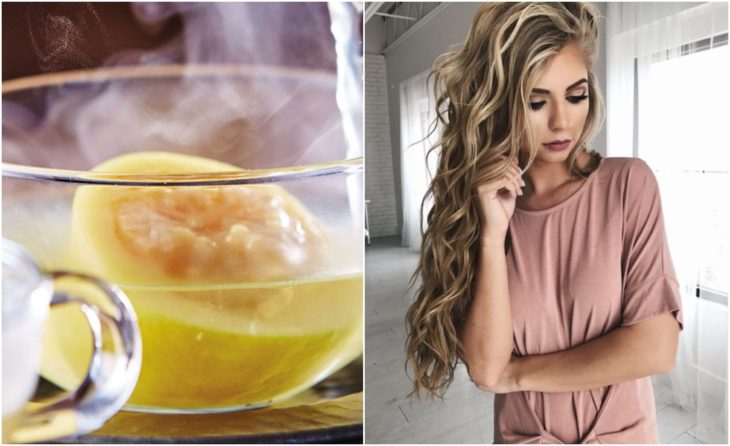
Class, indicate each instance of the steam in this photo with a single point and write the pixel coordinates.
(346, 30)
(282, 112)
(246, 33)
(57, 34)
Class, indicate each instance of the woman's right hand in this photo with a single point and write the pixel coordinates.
(497, 200)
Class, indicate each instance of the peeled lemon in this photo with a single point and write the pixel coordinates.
(229, 283)
(171, 235)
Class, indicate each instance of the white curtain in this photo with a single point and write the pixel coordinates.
(667, 104)
(417, 119)
(641, 29)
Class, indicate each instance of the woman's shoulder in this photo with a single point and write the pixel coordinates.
(626, 164)
(627, 170)
(632, 178)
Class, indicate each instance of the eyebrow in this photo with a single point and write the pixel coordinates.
(570, 87)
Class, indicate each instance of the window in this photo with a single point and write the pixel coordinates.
(682, 134)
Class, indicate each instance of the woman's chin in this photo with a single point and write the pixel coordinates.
(548, 156)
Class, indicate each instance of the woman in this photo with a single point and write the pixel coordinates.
(555, 288)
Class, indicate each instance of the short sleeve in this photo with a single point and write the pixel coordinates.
(650, 285)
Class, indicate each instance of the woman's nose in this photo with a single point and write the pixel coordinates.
(559, 118)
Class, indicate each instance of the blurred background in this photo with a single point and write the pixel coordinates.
(663, 69)
(42, 37)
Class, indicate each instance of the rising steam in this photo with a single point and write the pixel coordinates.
(281, 112)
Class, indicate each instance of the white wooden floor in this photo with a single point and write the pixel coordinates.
(466, 414)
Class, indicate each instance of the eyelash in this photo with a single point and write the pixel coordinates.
(572, 99)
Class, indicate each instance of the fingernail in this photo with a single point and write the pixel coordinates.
(522, 182)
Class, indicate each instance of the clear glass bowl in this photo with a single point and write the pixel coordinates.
(247, 283)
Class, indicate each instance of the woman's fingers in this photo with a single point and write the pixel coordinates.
(516, 177)
(504, 182)
(511, 181)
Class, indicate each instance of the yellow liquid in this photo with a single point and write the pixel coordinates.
(224, 347)
(10, 423)
(258, 332)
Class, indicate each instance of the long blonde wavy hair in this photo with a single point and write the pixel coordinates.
(482, 107)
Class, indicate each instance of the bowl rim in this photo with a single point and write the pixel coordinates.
(223, 178)
(103, 74)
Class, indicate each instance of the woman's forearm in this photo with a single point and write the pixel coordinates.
(487, 332)
(626, 353)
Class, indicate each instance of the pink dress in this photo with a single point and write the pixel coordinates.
(576, 271)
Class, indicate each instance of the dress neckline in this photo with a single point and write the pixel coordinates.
(574, 196)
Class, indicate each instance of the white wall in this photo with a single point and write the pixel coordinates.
(438, 32)
(379, 179)
(375, 35)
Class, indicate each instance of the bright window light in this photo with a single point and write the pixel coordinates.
(683, 116)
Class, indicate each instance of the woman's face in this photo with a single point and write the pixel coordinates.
(559, 105)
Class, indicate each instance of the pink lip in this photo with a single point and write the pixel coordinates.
(558, 145)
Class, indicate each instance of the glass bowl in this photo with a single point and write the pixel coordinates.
(246, 279)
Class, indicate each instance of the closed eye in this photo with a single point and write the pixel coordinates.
(572, 99)
(577, 99)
